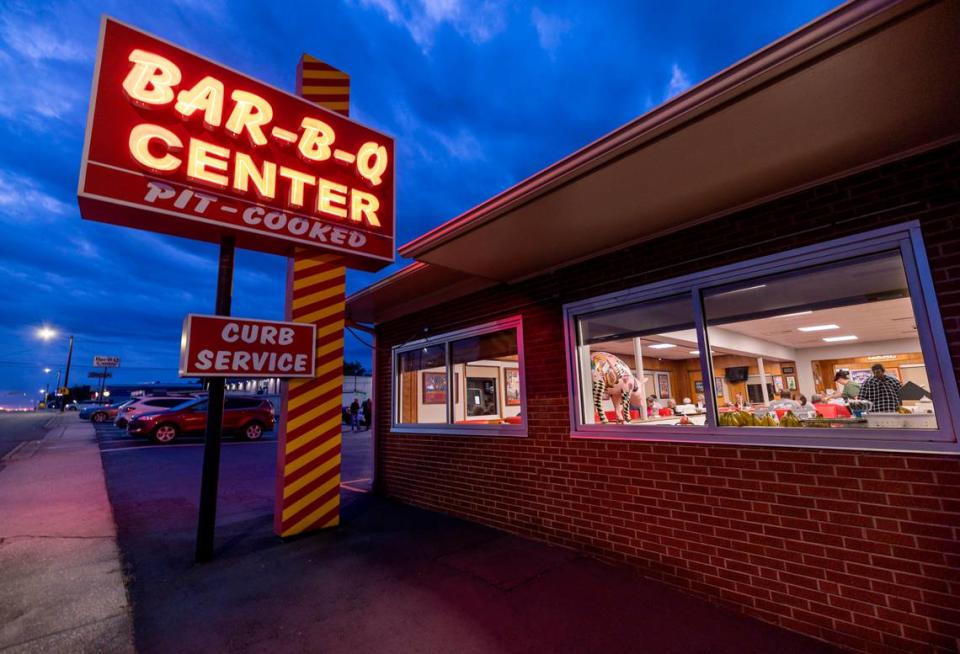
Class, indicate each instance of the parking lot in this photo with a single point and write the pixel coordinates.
(356, 455)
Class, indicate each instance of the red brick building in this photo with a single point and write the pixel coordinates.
(734, 258)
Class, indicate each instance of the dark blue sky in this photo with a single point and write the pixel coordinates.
(478, 95)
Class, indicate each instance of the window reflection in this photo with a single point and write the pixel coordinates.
(832, 346)
(422, 386)
(643, 356)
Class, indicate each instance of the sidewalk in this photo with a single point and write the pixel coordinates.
(61, 585)
(391, 578)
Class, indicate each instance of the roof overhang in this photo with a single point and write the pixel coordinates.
(415, 287)
(869, 82)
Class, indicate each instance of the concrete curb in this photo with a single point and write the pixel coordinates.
(62, 587)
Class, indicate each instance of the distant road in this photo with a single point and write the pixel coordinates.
(15, 428)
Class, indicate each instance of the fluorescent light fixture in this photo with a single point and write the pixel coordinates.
(882, 357)
(662, 346)
(798, 313)
(694, 351)
(741, 290)
(817, 328)
(839, 339)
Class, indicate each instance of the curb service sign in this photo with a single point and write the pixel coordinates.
(180, 145)
(221, 346)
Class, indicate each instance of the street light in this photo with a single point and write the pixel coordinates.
(46, 371)
(46, 333)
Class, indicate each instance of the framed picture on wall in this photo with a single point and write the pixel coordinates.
(434, 388)
(778, 383)
(698, 386)
(663, 385)
(718, 386)
(791, 383)
(511, 386)
(787, 370)
(859, 376)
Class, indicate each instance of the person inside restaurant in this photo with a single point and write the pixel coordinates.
(881, 390)
(847, 388)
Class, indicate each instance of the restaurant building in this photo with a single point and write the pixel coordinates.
(795, 216)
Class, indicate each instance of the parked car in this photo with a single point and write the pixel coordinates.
(100, 412)
(150, 403)
(248, 416)
(69, 406)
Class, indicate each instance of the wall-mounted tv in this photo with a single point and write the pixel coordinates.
(737, 374)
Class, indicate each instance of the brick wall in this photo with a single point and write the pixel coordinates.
(860, 549)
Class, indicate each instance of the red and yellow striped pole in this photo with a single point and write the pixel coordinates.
(308, 461)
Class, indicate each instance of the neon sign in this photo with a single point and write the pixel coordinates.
(180, 145)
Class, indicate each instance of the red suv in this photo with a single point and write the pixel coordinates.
(248, 416)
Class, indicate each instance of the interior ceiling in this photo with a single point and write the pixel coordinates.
(887, 320)
(870, 99)
(877, 321)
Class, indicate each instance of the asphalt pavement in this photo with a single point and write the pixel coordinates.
(391, 578)
(17, 428)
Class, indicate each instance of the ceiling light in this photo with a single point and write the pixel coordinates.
(817, 328)
(798, 313)
(882, 357)
(838, 339)
(694, 351)
(662, 346)
(741, 290)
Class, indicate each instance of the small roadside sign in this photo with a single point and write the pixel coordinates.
(224, 346)
(100, 361)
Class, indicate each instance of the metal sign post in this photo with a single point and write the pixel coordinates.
(210, 475)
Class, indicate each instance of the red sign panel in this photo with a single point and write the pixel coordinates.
(180, 145)
(223, 346)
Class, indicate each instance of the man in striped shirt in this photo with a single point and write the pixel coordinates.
(882, 390)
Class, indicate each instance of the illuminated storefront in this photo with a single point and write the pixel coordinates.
(660, 349)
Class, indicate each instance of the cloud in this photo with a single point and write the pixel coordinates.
(549, 28)
(420, 141)
(39, 62)
(38, 42)
(162, 249)
(679, 82)
(22, 198)
(479, 22)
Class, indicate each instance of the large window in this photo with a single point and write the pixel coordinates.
(469, 381)
(835, 345)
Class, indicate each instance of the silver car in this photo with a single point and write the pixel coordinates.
(150, 403)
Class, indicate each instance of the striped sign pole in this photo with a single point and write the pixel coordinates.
(308, 461)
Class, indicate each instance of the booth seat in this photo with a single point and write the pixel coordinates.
(832, 410)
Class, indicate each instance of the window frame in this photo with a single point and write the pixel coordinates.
(446, 339)
(905, 238)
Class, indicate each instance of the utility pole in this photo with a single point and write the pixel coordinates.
(66, 376)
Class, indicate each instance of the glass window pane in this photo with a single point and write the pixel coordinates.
(645, 356)
(832, 346)
(486, 379)
(422, 386)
